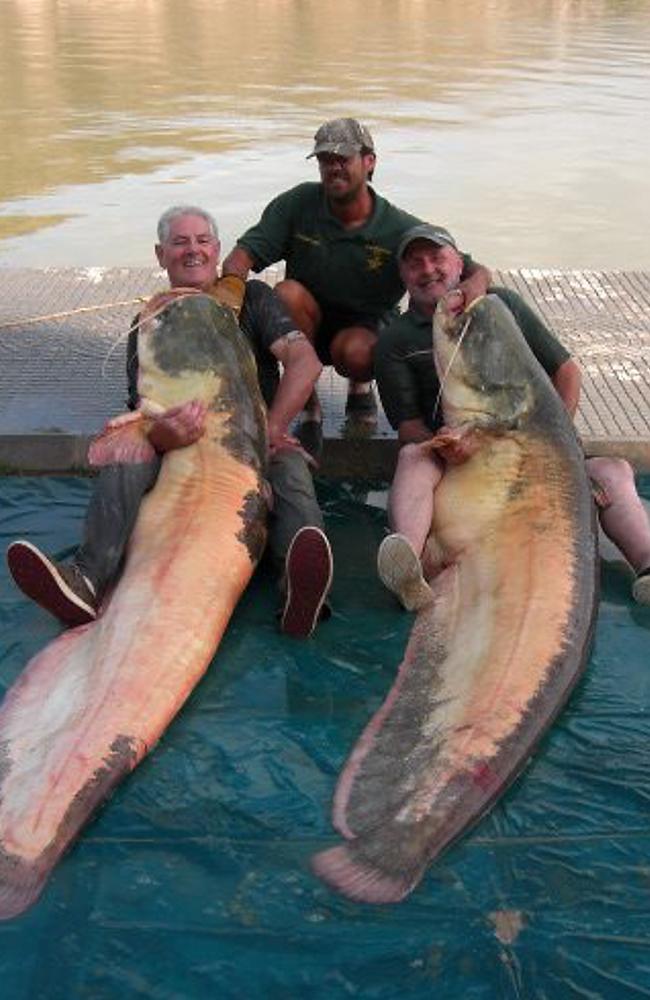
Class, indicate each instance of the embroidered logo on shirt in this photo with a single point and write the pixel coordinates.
(376, 256)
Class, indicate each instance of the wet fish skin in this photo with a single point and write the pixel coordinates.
(492, 660)
(88, 707)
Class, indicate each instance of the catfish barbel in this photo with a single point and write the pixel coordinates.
(491, 661)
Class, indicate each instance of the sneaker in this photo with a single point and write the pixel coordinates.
(308, 579)
(401, 571)
(641, 587)
(59, 588)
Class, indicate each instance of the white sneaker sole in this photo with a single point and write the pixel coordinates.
(400, 571)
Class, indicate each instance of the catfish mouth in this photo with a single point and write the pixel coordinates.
(481, 381)
(454, 325)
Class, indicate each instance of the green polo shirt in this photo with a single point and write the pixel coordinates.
(352, 269)
(405, 370)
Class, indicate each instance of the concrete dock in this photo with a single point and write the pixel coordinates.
(63, 336)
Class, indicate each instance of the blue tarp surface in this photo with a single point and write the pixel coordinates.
(193, 881)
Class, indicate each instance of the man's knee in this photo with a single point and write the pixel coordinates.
(352, 351)
(414, 459)
(615, 475)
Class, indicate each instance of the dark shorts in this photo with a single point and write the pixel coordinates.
(334, 320)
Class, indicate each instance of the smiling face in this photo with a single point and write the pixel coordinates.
(190, 253)
(429, 271)
(343, 177)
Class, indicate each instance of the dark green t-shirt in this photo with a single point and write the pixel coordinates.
(405, 370)
(350, 269)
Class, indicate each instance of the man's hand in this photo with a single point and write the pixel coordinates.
(473, 286)
(179, 426)
(282, 441)
(455, 444)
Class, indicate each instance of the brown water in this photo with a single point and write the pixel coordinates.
(523, 125)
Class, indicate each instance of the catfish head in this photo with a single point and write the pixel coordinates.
(484, 365)
(190, 348)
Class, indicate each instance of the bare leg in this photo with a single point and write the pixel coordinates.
(305, 312)
(301, 306)
(410, 501)
(410, 509)
(352, 351)
(624, 520)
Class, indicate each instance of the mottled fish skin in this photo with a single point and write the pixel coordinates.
(88, 707)
(492, 660)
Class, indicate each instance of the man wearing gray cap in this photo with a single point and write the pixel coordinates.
(431, 266)
(338, 238)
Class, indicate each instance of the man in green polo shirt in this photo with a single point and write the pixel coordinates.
(338, 238)
(431, 266)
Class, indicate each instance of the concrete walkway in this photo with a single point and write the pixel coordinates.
(62, 341)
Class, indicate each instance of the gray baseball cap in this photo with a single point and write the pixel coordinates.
(343, 137)
(425, 231)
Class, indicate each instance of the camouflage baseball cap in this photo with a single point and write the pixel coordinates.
(425, 231)
(343, 137)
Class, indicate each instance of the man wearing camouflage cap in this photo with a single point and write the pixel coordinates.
(339, 240)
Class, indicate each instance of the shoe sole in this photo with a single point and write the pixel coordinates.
(39, 579)
(309, 577)
(400, 571)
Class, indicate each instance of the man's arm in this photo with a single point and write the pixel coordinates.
(301, 369)
(268, 240)
(475, 281)
(238, 263)
(567, 380)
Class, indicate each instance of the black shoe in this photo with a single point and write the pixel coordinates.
(308, 580)
(60, 588)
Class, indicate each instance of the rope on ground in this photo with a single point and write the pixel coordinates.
(74, 312)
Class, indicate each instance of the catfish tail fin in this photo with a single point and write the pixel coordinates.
(345, 869)
(20, 885)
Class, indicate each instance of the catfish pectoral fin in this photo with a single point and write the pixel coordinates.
(123, 439)
(346, 869)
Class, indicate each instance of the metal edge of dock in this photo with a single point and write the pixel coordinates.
(61, 370)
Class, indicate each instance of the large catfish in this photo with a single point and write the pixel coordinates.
(491, 661)
(89, 706)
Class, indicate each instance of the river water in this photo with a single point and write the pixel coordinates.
(522, 125)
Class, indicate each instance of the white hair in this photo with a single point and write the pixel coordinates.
(176, 212)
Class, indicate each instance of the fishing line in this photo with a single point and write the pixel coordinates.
(116, 344)
(29, 320)
(445, 375)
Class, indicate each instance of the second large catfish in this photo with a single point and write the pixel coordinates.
(492, 660)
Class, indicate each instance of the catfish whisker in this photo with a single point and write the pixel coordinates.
(116, 344)
(445, 374)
